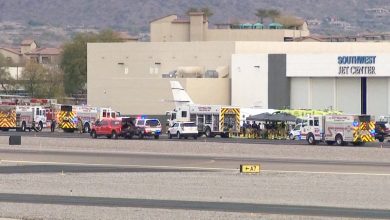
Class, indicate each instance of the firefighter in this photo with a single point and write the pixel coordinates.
(80, 125)
(53, 125)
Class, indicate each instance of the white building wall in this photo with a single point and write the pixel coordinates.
(378, 96)
(322, 93)
(300, 92)
(250, 80)
(348, 95)
(342, 94)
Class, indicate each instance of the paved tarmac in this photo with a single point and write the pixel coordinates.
(48, 176)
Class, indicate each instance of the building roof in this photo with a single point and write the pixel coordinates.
(162, 18)
(12, 50)
(27, 42)
(45, 51)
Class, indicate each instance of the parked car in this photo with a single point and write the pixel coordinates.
(109, 127)
(381, 131)
(148, 127)
(295, 133)
(183, 129)
(128, 127)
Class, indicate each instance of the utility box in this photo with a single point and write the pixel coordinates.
(15, 140)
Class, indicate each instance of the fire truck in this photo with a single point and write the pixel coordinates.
(89, 115)
(68, 116)
(22, 117)
(339, 129)
(211, 120)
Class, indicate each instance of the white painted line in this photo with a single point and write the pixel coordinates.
(323, 172)
(115, 165)
(191, 168)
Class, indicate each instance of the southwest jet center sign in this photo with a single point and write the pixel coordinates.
(338, 65)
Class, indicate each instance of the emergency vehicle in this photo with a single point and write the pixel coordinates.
(69, 115)
(22, 117)
(89, 115)
(339, 129)
(211, 120)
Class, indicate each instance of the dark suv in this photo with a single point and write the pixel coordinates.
(128, 128)
(380, 131)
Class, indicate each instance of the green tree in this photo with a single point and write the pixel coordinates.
(6, 80)
(32, 79)
(74, 58)
(207, 12)
(261, 14)
(42, 82)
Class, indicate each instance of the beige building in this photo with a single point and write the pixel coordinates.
(29, 50)
(131, 77)
(196, 28)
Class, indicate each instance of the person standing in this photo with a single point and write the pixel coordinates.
(79, 125)
(53, 125)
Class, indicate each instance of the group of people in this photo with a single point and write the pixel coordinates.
(265, 130)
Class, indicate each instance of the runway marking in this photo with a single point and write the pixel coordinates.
(192, 168)
(118, 165)
(323, 172)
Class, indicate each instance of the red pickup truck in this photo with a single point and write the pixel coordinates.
(109, 127)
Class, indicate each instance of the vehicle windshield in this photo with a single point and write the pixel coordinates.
(152, 123)
(189, 125)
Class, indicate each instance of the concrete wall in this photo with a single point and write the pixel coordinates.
(15, 57)
(128, 76)
(243, 47)
(250, 80)
(252, 34)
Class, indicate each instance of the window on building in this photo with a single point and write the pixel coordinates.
(45, 60)
(184, 114)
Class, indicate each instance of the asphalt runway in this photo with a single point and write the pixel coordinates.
(55, 161)
(196, 205)
(29, 166)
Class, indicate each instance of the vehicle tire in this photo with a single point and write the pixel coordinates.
(339, 140)
(156, 136)
(23, 126)
(185, 137)
(178, 135)
(311, 140)
(208, 132)
(86, 128)
(291, 136)
(329, 142)
(169, 135)
(195, 137)
(114, 135)
(93, 134)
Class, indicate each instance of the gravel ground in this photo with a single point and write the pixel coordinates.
(354, 191)
(54, 212)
